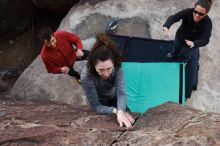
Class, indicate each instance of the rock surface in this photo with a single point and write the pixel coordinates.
(172, 124)
(142, 18)
(30, 123)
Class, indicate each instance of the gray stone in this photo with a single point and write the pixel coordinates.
(36, 83)
(89, 27)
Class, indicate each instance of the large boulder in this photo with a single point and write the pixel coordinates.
(143, 19)
(45, 123)
(35, 83)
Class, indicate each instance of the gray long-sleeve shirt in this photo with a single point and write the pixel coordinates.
(97, 89)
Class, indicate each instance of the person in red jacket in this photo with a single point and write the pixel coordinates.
(60, 51)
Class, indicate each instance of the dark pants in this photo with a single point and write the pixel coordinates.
(72, 71)
(182, 50)
(195, 67)
(84, 57)
(191, 56)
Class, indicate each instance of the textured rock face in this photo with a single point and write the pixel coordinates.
(29, 123)
(172, 124)
(44, 123)
(144, 18)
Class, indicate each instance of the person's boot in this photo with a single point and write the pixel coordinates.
(172, 54)
(184, 58)
(77, 76)
(3, 86)
(194, 87)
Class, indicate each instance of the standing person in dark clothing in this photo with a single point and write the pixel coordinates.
(103, 81)
(60, 51)
(194, 32)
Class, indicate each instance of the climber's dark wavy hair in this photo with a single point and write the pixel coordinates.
(205, 4)
(103, 49)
